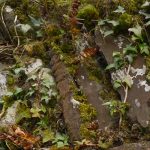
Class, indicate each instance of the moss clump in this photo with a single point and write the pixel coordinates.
(36, 49)
(131, 6)
(52, 30)
(87, 112)
(125, 22)
(67, 47)
(88, 13)
(86, 133)
(24, 8)
(10, 80)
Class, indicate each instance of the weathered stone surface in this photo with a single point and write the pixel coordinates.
(91, 89)
(71, 113)
(134, 146)
(139, 94)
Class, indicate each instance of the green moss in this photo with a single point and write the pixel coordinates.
(88, 13)
(107, 94)
(10, 80)
(67, 47)
(52, 30)
(125, 22)
(36, 49)
(87, 112)
(131, 6)
(23, 8)
(147, 60)
(86, 133)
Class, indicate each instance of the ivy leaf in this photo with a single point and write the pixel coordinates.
(18, 70)
(130, 58)
(45, 98)
(136, 30)
(128, 80)
(36, 22)
(109, 32)
(114, 23)
(24, 27)
(117, 84)
(9, 94)
(147, 16)
(47, 135)
(148, 23)
(116, 54)
(39, 33)
(18, 91)
(144, 48)
(35, 112)
(101, 22)
(109, 67)
(120, 10)
(146, 4)
(130, 50)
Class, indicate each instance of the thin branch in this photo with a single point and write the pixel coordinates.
(2, 18)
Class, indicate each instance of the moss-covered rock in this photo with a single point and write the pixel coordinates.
(89, 13)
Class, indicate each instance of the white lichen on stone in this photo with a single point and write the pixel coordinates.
(33, 67)
(8, 9)
(121, 75)
(137, 103)
(3, 86)
(145, 84)
(138, 71)
(75, 103)
(10, 117)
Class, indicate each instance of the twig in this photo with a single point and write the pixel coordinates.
(126, 94)
(18, 39)
(2, 18)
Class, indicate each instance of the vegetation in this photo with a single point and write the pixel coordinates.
(49, 57)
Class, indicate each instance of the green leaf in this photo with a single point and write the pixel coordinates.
(130, 50)
(109, 67)
(147, 16)
(18, 70)
(24, 27)
(148, 23)
(146, 4)
(128, 80)
(45, 98)
(23, 112)
(36, 22)
(117, 84)
(137, 31)
(35, 112)
(144, 48)
(18, 91)
(130, 59)
(107, 33)
(47, 135)
(39, 33)
(116, 54)
(114, 23)
(120, 10)
(9, 94)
